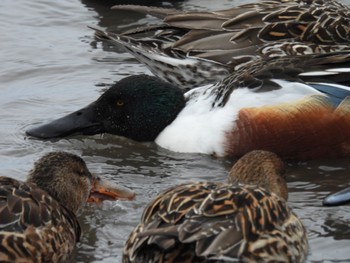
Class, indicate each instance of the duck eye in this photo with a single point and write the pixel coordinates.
(120, 103)
(81, 173)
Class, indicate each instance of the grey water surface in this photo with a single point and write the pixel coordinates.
(50, 65)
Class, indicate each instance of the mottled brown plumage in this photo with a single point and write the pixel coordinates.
(209, 43)
(220, 222)
(37, 217)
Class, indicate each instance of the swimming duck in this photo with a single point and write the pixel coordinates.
(193, 48)
(296, 107)
(37, 217)
(246, 219)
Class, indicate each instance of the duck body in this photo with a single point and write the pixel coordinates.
(34, 226)
(221, 222)
(196, 48)
(213, 222)
(37, 217)
(202, 128)
(287, 105)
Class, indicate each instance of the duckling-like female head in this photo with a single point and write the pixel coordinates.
(261, 168)
(66, 177)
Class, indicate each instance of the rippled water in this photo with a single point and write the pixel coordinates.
(51, 65)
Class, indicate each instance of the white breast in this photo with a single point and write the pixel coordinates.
(200, 128)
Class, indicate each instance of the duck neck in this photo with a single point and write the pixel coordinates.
(150, 126)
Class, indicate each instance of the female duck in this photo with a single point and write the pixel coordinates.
(247, 219)
(37, 217)
(196, 48)
(296, 107)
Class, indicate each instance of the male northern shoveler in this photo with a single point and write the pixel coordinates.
(296, 107)
(196, 48)
(247, 219)
(37, 217)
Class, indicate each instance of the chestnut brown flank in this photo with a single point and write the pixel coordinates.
(310, 128)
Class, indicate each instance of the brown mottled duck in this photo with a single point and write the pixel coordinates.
(246, 219)
(37, 217)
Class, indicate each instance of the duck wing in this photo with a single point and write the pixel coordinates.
(327, 73)
(33, 224)
(234, 36)
(199, 222)
(297, 107)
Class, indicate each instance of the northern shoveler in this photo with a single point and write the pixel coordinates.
(247, 219)
(196, 48)
(296, 107)
(37, 217)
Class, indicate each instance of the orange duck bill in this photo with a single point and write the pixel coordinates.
(106, 190)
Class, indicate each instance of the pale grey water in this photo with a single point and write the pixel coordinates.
(51, 65)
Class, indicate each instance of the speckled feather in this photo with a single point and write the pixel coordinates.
(246, 219)
(33, 225)
(214, 222)
(257, 75)
(196, 48)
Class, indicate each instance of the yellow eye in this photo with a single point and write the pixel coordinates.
(120, 103)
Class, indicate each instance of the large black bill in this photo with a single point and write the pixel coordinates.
(339, 198)
(83, 121)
